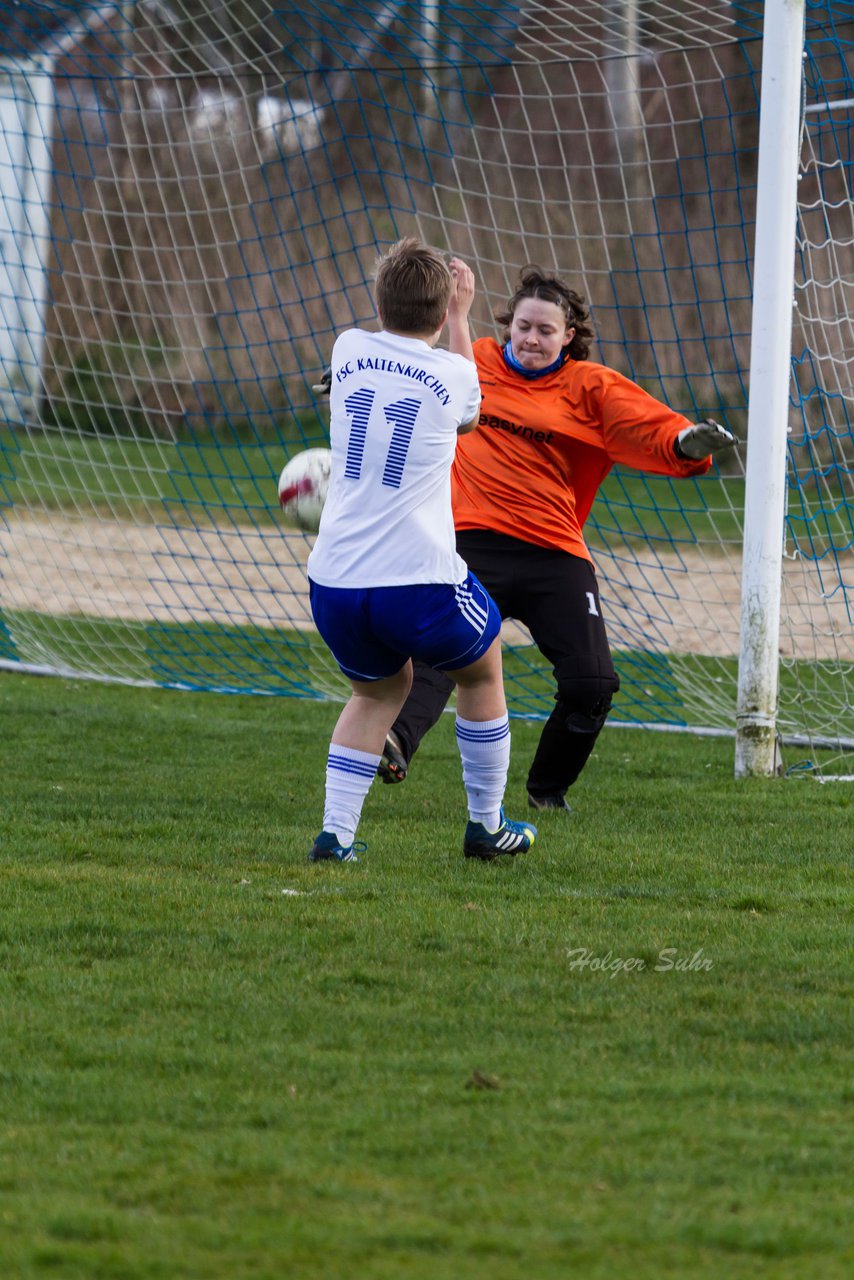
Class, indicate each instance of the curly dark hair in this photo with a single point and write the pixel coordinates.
(534, 282)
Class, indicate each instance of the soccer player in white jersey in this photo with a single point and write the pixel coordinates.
(385, 579)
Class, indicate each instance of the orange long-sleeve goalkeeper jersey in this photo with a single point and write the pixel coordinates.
(542, 447)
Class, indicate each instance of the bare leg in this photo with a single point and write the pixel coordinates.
(480, 687)
(368, 716)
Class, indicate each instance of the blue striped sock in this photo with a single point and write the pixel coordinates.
(349, 774)
(485, 750)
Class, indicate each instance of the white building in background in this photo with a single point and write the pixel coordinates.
(288, 126)
(39, 43)
(26, 115)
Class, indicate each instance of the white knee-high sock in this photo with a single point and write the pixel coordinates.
(485, 750)
(349, 774)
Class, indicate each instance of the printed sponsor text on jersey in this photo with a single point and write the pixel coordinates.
(515, 428)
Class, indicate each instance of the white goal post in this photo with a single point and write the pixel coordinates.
(757, 748)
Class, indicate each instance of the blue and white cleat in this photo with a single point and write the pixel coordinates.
(510, 838)
(328, 848)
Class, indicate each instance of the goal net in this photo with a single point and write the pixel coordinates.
(192, 197)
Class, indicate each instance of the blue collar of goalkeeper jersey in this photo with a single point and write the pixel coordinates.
(512, 363)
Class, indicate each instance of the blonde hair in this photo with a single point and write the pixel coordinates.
(413, 286)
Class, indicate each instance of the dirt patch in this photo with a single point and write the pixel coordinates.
(687, 602)
(113, 569)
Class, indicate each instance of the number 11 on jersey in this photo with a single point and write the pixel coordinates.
(400, 416)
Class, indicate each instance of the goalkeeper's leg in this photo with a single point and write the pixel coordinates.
(566, 743)
(564, 615)
(426, 702)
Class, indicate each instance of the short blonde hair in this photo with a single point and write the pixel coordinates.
(413, 286)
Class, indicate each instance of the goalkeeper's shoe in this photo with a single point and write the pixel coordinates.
(392, 766)
(554, 800)
(510, 838)
(328, 848)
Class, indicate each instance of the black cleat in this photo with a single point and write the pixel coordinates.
(392, 766)
(553, 801)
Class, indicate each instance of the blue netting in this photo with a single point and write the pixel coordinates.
(820, 518)
(191, 202)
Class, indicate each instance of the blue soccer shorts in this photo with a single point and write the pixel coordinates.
(372, 631)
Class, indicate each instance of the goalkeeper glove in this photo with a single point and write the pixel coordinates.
(324, 386)
(707, 437)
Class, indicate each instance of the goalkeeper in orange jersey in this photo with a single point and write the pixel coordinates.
(552, 425)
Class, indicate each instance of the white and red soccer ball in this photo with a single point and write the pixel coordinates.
(303, 485)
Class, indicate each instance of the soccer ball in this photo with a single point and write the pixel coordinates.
(303, 485)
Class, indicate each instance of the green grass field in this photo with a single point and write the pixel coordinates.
(627, 1054)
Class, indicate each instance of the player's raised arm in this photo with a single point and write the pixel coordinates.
(459, 337)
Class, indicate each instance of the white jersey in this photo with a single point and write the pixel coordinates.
(395, 407)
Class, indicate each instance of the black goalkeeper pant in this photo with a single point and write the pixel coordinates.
(555, 595)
